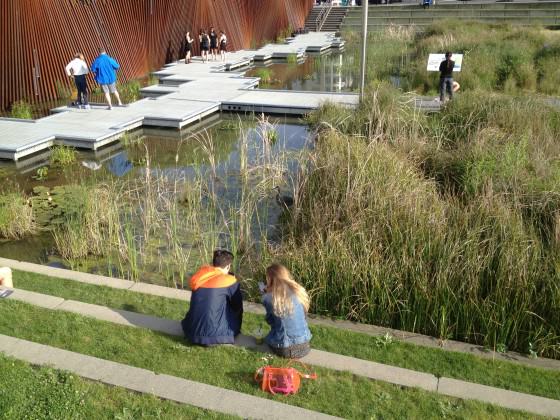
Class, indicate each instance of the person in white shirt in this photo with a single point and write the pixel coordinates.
(78, 69)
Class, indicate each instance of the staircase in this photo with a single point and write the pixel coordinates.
(326, 18)
(546, 13)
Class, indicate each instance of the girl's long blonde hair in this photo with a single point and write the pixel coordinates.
(282, 286)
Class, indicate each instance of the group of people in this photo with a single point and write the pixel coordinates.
(216, 310)
(209, 42)
(104, 70)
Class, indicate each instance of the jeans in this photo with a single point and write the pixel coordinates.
(445, 83)
(81, 85)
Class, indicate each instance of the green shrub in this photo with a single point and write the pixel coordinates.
(22, 109)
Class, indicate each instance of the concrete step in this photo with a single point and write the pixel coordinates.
(373, 330)
(372, 370)
(145, 381)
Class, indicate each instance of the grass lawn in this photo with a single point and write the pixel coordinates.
(30, 392)
(335, 393)
(439, 362)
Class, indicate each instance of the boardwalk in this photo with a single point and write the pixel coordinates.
(185, 94)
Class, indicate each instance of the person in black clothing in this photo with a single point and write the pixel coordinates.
(446, 77)
(213, 44)
(188, 47)
(204, 46)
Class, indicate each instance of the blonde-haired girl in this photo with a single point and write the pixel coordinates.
(286, 304)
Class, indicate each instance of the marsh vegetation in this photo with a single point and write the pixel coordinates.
(446, 224)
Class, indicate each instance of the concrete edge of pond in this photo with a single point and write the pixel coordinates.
(373, 330)
(372, 370)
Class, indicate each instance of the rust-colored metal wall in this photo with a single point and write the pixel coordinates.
(39, 37)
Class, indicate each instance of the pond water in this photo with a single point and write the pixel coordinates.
(326, 73)
(175, 196)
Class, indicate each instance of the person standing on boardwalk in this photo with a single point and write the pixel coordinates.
(204, 45)
(216, 310)
(213, 44)
(78, 69)
(446, 77)
(223, 45)
(188, 47)
(286, 303)
(104, 69)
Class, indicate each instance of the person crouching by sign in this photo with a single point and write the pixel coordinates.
(216, 309)
(446, 77)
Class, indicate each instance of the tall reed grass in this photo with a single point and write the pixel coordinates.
(444, 224)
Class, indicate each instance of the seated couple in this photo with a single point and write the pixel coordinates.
(216, 310)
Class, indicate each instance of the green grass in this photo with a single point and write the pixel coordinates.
(32, 392)
(497, 57)
(335, 393)
(439, 362)
(22, 109)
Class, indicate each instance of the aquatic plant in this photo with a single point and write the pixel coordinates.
(130, 91)
(292, 59)
(265, 74)
(22, 109)
(42, 173)
(63, 155)
(16, 218)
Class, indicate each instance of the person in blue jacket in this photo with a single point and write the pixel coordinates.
(286, 303)
(216, 309)
(104, 69)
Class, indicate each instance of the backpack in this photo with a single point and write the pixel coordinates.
(281, 380)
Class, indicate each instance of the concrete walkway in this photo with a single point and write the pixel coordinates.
(145, 381)
(186, 94)
(373, 330)
(364, 368)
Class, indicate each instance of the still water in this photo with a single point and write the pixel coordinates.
(231, 155)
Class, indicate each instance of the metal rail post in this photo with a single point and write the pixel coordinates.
(364, 46)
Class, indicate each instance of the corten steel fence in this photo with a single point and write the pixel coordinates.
(39, 37)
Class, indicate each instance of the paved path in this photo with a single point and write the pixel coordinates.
(371, 370)
(145, 381)
(186, 94)
(373, 330)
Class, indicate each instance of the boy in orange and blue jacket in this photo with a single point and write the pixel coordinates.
(216, 310)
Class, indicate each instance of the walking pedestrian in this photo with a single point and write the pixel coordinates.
(188, 47)
(213, 44)
(104, 69)
(223, 45)
(78, 69)
(446, 77)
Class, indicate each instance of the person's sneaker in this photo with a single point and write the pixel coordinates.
(109, 108)
(87, 107)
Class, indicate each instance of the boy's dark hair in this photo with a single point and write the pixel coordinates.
(448, 54)
(222, 258)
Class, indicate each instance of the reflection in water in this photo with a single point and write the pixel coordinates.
(326, 73)
(119, 165)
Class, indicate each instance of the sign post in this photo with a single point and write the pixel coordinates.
(364, 46)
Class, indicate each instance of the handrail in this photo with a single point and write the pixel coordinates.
(322, 17)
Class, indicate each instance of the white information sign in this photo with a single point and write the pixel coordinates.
(434, 60)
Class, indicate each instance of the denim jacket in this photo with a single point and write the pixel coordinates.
(286, 331)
